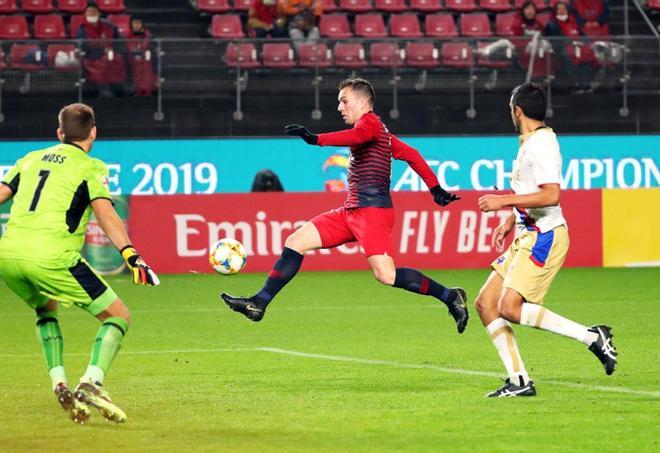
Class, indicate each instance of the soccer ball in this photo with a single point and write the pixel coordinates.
(227, 256)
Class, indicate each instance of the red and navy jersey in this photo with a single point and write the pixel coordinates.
(372, 149)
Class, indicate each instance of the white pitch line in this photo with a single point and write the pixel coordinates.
(334, 358)
(162, 351)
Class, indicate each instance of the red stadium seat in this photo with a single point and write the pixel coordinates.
(370, 26)
(391, 6)
(329, 6)
(405, 26)
(356, 6)
(385, 55)
(242, 55)
(504, 24)
(3, 63)
(426, 6)
(227, 26)
(55, 51)
(37, 6)
(475, 25)
(122, 22)
(440, 26)
(111, 6)
(242, 5)
(72, 6)
(277, 55)
(14, 27)
(544, 19)
(461, 6)
(456, 54)
(335, 26)
(349, 55)
(653, 5)
(213, 6)
(49, 26)
(602, 31)
(8, 6)
(421, 55)
(312, 55)
(496, 6)
(76, 21)
(484, 61)
(540, 4)
(27, 57)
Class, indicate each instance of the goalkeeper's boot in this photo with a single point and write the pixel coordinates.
(94, 395)
(252, 307)
(509, 390)
(78, 412)
(603, 348)
(458, 309)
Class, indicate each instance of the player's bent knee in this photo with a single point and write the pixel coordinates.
(510, 311)
(384, 276)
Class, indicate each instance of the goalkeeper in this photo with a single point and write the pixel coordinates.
(54, 191)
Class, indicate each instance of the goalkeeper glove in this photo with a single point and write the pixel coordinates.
(442, 197)
(142, 273)
(302, 132)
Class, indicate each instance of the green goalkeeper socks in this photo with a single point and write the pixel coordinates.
(106, 346)
(50, 336)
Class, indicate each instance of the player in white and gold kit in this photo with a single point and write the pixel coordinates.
(522, 275)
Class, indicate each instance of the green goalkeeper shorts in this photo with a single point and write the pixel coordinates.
(77, 285)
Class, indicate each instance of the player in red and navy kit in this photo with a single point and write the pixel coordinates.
(367, 216)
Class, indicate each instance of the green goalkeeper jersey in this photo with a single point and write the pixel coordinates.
(53, 189)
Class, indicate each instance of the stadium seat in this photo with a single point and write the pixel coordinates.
(496, 6)
(37, 6)
(49, 26)
(349, 55)
(405, 26)
(426, 6)
(440, 26)
(277, 55)
(122, 22)
(8, 6)
(72, 6)
(329, 6)
(475, 25)
(76, 21)
(242, 5)
(335, 26)
(544, 18)
(111, 6)
(227, 26)
(541, 5)
(391, 6)
(3, 63)
(27, 57)
(242, 55)
(312, 55)
(504, 24)
(370, 26)
(456, 54)
(462, 6)
(70, 60)
(213, 6)
(602, 31)
(421, 55)
(14, 27)
(653, 5)
(385, 54)
(483, 60)
(356, 6)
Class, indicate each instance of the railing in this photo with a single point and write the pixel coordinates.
(169, 68)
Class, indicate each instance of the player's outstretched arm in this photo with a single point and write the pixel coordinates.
(5, 193)
(549, 195)
(363, 132)
(402, 151)
(113, 227)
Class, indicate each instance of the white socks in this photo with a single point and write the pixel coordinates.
(504, 339)
(534, 315)
(57, 376)
(93, 374)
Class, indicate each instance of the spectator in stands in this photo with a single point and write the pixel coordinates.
(291, 8)
(302, 29)
(265, 19)
(526, 23)
(103, 59)
(591, 13)
(141, 60)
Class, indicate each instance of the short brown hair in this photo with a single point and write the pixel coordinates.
(76, 122)
(360, 85)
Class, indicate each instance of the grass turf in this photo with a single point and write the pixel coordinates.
(191, 377)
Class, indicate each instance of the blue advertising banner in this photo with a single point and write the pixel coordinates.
(148, 167)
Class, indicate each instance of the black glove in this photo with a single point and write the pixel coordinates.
(442, 197)
(302, 132)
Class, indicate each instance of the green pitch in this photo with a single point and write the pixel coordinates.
(341, 363)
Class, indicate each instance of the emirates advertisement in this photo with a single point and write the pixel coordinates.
(175, 232)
